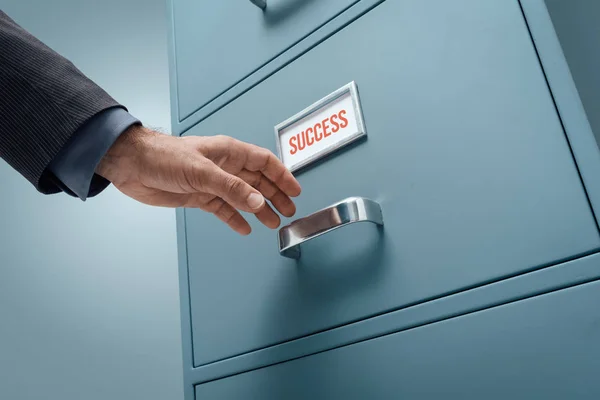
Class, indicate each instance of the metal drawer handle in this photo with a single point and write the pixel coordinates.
(260, 3)
(348, 211)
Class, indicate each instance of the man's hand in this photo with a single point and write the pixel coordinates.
(218, 174)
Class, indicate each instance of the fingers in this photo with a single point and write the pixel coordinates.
(239, 192)
(229, 215)
(280, 200)
(233, 218)
(265, 215)
(260, 159)
(232, 189)
(262, 176)
(268, 217)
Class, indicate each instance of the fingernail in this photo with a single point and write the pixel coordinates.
(255, 201)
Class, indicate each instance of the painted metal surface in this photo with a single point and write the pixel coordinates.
(543, 347)
(505, 291)
(240, 36)
(180, 124)
(466, 154)
(566, 94)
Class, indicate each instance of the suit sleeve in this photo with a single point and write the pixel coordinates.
(44, 101)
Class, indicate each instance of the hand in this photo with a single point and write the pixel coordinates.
(217, 174)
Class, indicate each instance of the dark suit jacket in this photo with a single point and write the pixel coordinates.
(44, 100)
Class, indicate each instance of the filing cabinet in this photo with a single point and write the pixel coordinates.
(468, 154)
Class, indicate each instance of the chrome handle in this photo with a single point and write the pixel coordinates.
(260, 3)
(348, 211)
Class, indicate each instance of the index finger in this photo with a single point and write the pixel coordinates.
(261, 159)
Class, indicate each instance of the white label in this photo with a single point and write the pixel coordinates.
(321, 129)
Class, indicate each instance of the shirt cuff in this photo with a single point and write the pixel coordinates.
(75, 165)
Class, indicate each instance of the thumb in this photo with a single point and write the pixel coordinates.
(234, 190)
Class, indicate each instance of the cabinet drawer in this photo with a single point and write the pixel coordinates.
(218, 43)
(544, 347)
(465, 153)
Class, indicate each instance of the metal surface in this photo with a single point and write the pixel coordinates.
(452, 151)
(259, 45)
(348, 211)
(361, 129)
(562, 78)
(560, 276)
(544, 347)
(260, 3)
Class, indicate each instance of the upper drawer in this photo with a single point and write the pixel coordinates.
(218, 43)
(465, 153)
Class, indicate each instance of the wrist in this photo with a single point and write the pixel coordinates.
(118, 163)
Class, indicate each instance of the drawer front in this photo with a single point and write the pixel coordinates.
(545, 347)
(465, 153)
(218, 43)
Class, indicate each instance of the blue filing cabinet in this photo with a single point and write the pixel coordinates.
(478, 152)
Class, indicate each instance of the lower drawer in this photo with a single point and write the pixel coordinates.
(543, 347)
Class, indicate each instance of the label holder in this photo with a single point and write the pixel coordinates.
(361, 132)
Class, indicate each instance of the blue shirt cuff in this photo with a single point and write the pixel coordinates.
(76, 163)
